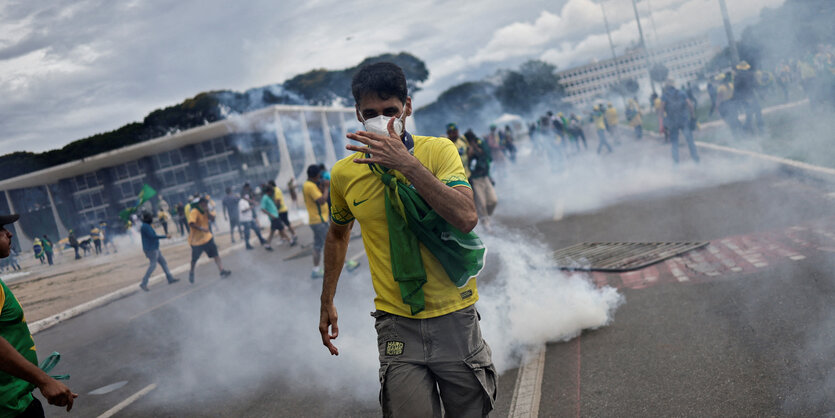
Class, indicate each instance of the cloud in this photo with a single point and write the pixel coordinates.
(69, 70)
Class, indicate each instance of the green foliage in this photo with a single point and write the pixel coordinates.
(323, 87)
(535, 81)
(465, 104)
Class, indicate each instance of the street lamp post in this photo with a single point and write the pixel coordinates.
(729, 32)
(643, 45)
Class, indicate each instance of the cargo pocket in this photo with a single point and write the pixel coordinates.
(481, 363)
(383, 370)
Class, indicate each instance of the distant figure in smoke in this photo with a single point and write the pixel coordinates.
(745, 93)
(283, 211)
(230, 211)
(150, 245)
(679, 111)
(95, 235)
(37, 248)
(200, 237)
(182, 223)
(494, 142)
(483, 191)
(508, 143)
(247, 219)
(269, 208)
(19, 371)
(47, 248)
(598, 117)
(460, 144)
(575, 128)
(163, 217)
(430, 346)
(105, 238)
(316, 202)
(633, 116)
(74, 243)
(612, 122)
(725, 103)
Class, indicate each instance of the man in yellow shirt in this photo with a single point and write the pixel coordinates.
(461, 144)
(283, 212)
(200, 236)
(316, 202)
(436, 355)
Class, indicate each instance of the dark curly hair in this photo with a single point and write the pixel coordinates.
(383, 78)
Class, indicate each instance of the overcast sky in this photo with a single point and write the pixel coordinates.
(70, 69)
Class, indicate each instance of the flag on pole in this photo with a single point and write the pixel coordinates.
(145, 195)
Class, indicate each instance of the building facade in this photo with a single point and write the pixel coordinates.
(591, 82)
(274, 143)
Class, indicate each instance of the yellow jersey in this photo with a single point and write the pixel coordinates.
(196, 237)
(463, 151)
(316, 212)
(279, 200)
(357, 193)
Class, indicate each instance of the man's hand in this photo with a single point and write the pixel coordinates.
(327, 319)
(387, 151)
(56, 393)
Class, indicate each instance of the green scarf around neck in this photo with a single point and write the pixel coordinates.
(412, 222)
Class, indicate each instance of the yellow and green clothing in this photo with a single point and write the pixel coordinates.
(15, 393)
(195, 236)
(95, 234)
(611, 116)
(278, 197)
(357, 193)
(318, 213)
(463, 151)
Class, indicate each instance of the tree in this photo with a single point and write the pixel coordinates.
(534, 83)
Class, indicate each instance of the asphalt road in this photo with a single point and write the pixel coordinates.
(754, 339)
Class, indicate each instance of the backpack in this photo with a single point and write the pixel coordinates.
(675, 104)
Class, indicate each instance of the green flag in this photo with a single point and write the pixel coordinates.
(145, 194)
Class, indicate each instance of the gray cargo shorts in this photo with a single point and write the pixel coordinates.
(426, 362)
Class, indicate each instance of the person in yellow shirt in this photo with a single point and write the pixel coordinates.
(633, 116)
(435, 356)
(461, 144)
(598, 116)
(283, 212)
(200, 237)
(316, 202)
(612, 122)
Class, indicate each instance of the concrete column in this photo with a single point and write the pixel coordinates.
(330, 154)
(62, 230)
(22, 238)
(309, 155)
(285, 171)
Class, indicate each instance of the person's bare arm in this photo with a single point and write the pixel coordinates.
(454, 204)
(336, 246)
(324, 198)
(55, 392)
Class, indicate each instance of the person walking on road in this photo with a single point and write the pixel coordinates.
(200, 237)
(247, 219)
(598, 117)
(679, 112)
(269, 208)
(150, 245)
(633, 116)
(316, 202)
(483, 191)
(47, 248)
(19, 371)
(74, 243)
(230, 212)
(430, 346)
(96, 237)
(283, 211)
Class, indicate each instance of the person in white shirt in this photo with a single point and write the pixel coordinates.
(247, 220)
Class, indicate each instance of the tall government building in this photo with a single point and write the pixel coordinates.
(274, 143)
(590, 83)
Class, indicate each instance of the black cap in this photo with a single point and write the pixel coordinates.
(8, 219)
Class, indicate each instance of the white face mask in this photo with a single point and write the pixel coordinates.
(379, 124)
